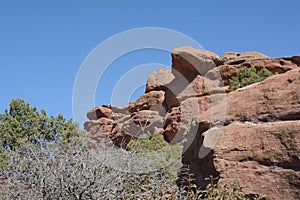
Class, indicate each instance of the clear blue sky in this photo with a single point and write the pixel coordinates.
(43, 43)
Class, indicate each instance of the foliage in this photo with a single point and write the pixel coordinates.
(188, 190)
(228, 191)
(214, 191)
(146, 144)
(247, 76)
(21, 124)
(156, 148)
(231, 191)
(77, 171)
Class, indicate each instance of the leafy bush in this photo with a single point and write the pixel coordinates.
(247, 76)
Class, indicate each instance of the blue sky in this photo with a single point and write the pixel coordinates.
(43, 43)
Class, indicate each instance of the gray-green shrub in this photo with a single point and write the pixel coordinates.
(247, 76)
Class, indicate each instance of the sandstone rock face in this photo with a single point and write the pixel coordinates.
(177, 91)
(246, 56)
(227, 71)
(251, 135)
(159, 79)
(172, 124)
(190, 62)
(259, 144)
(149, 101)
(100, 130)
(276, 98)
(229, 56)
(264, 156)
(99, 112)
(143, 122)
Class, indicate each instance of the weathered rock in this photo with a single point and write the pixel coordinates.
(229, 56)
(142, 122)
(121, 114)
(279, 65)
(159, 79)
(178, 92)
(121, 110)
(253, 153)
(99, 112)
(149, 101)
(246, 56)
(259, 144)
(263, 157)
(190, 62)
(178, 120)
(226, 72)
(120, 138)
(275, 65)
(294, 59)
(276, 98)
(196, 88)
(192, 108)
(99, 131)
(172, 124)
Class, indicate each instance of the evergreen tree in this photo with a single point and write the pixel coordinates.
(22, 124)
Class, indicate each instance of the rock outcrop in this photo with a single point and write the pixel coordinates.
(251, 135)
(263, 157)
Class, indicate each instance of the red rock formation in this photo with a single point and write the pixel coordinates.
(251, 134)
(149, 101)
(99, 112)
(232, 67)
(276, 98)
(263, 157)
(159, 79)
(190, 62)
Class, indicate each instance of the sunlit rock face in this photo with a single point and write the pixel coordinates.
(251, 134)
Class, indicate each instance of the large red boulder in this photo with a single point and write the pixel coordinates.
(100, 112)
(190, 62)
(158, 80)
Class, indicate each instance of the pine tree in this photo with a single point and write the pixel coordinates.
(22, 124)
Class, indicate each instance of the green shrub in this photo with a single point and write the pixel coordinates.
(213, 191)
(247, 76)
(161, 153)
(229, 191)
(146, 144)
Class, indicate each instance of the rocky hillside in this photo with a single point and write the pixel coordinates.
(251, 134)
